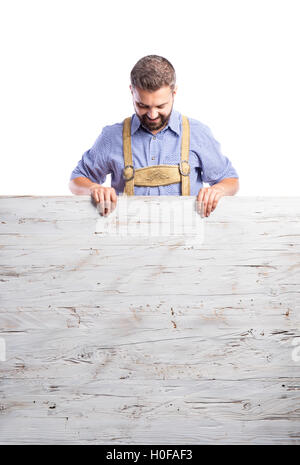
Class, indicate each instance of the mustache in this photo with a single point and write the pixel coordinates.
(146, 119)
(150, 119)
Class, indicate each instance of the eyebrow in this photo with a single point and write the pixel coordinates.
(141, 103)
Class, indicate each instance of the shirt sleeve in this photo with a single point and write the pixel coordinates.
(214, 165)
(94, 163)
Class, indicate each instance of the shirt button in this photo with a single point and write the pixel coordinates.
(154, 138)
(152, 158)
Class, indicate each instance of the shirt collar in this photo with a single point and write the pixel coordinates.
(174, 123)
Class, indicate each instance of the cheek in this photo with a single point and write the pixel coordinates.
(167, 111)
(138, 110)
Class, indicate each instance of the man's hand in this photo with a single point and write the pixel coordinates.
(208, 199)
(105, 196)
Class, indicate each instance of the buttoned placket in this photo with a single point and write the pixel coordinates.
(154, 150)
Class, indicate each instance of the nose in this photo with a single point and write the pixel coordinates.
(152, 114)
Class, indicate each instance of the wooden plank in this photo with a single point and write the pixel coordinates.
(149, 350)
(133, 339)
(253, 411)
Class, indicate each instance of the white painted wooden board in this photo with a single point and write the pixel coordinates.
(150, 339)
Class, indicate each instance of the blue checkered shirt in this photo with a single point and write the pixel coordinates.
(207, 163)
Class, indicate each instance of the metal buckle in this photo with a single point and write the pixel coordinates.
(133, 171)
(181, 170)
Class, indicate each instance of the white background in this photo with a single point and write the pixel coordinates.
(65, 74)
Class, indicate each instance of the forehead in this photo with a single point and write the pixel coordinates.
(155, 98)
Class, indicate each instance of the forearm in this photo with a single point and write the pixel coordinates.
(81, 186)
(228, 186)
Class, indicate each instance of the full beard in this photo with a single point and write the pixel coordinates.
(155, 125)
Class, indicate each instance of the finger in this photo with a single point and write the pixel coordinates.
(113, 195)
(96, 195)
(110, 198)
(199, 201)
(215, 202)
(108, 206)
(93, 195)
(101, 201)
(210, 200)
(205, 202)
(113, 199)
(201, 194)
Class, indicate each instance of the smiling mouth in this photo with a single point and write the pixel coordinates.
(152, 120)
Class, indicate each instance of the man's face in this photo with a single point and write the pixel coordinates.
(153, 108)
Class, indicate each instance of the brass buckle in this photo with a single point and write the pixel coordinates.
(133, 171)
(181, 168)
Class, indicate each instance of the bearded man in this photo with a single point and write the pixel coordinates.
(156, 151)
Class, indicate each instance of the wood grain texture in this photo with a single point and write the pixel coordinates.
(189, 338)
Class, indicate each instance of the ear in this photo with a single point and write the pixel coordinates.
(130, 87)
(175, 90)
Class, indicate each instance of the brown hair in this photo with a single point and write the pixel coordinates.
(153, 72)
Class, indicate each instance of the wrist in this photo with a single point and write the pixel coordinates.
(93, 186)
(220, 188)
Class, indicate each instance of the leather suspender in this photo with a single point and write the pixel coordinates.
(157, 175)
